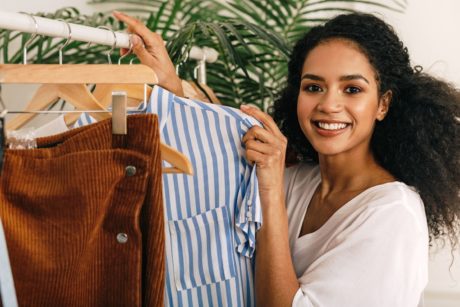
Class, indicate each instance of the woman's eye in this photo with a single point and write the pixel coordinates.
(313, 88)
(352, 90)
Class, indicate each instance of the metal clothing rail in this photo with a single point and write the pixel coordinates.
(55, 28)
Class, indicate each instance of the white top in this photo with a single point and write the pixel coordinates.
(372, 252)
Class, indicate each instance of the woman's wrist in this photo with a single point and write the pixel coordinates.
(174, 87)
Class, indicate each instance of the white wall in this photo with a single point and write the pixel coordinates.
(430, 29)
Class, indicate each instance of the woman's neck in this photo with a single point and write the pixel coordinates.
(351, 172)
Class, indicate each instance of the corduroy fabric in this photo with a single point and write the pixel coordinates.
(62, 206)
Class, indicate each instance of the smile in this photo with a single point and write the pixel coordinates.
(330, 126)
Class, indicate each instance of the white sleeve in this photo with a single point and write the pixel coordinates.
(381, 260)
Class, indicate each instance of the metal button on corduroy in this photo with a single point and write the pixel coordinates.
(122, 237)
(130, 170)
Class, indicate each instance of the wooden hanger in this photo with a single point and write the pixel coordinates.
(193, 91)
(76, 94)
(76, 76)
(103, 94)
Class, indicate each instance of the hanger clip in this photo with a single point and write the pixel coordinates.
(119, 104)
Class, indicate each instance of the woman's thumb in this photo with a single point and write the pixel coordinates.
(139, 49)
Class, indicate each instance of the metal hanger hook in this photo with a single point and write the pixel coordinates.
(26, 45)
(129, 51)
(69, 37)
(114, 42)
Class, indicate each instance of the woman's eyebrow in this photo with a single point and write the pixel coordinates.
(353, 77)
(342, 78)
(312, 77)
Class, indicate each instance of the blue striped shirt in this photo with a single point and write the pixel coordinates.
(212, 217)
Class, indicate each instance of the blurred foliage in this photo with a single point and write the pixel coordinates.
(253, 38)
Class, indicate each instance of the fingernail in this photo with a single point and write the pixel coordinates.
(244, 107)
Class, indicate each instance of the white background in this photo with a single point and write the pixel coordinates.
(429, 28)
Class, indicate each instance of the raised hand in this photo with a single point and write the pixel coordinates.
(266, 147)
(149, 47)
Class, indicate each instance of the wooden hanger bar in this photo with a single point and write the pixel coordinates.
(76, 73)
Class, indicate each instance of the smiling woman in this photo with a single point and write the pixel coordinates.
(338, 102)
(377, 173)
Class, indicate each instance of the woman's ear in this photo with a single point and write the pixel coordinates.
(384, 105)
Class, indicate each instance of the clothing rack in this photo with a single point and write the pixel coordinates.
(55, 28)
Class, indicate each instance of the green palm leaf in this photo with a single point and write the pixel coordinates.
(254, 38)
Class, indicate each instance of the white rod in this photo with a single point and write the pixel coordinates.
(55, 28)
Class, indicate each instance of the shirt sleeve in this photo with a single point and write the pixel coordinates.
(248, 214)
(381, 261)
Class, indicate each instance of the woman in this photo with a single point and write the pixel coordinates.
(377, 173)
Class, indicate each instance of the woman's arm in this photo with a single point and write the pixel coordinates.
(149, 47)
(276, 282)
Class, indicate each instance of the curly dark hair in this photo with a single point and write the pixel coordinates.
(417, 141)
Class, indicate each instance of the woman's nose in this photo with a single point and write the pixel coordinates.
(330, 102)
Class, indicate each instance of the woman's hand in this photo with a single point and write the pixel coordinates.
(149, 47)
(266, 147)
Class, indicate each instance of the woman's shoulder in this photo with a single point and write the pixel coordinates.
(300, 180)
(305, 171)
(394, 192)
(394, 199)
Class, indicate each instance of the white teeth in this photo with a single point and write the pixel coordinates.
(334, 126)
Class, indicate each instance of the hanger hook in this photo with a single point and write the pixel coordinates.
(204, 55)
(199, 72)
(114, 43)
(69, 37)
(129, 51)
(26, 45)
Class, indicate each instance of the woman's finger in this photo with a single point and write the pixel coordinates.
(254, 157)
(262, 148)
(263, 117)
(134, 25)
(140, 51)
(151, 39)
(259, 133)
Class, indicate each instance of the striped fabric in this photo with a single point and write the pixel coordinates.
(7, 290)
(212, 216)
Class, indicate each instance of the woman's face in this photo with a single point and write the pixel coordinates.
(338, 99)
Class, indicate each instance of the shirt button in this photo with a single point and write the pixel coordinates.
(130, 170)
(249, 215)
(122, 238)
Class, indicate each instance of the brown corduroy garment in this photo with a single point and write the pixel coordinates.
(66, 208)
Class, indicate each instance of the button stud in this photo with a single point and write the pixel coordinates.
(122, 238)
(130, 170)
